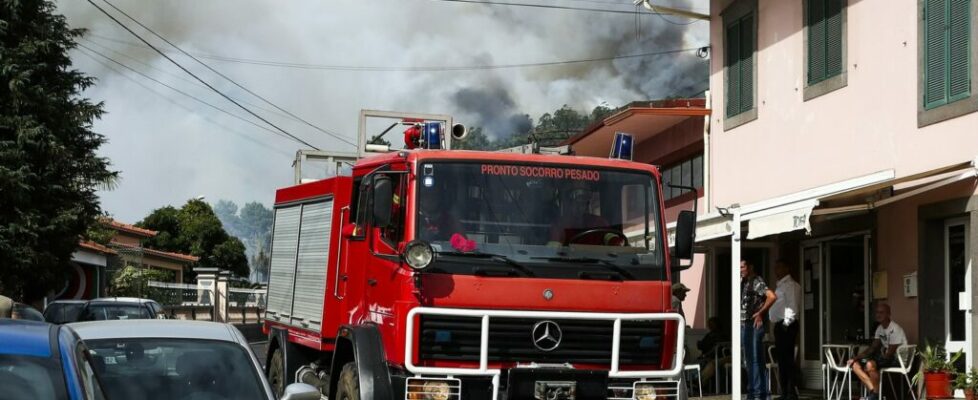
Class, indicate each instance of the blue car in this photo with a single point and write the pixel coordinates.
(40, 361)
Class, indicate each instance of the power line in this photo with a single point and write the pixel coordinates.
(87, 52)
(204, 102)
(548, 6)
(246, 109)
(334, 135)
(418, 68)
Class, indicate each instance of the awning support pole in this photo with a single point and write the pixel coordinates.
(735, 353)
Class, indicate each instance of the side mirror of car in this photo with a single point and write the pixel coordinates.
(685, 234)
(300, 391)
(383, 200)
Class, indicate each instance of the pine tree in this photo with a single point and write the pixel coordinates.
(49, 169)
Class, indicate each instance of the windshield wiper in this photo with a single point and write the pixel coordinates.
(590, 260)
(493, 257)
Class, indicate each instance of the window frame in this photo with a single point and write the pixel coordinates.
(835, 82)
(731, 15)
(953, 109)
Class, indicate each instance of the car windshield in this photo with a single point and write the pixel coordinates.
(26, 377)
(553, 221)
(109, 311)
(175, 369)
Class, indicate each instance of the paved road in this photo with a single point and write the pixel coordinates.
(259, 348)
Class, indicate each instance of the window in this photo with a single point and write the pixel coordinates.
(740, 43)
(688, 172)
(946, 37)
(825, 46)
(947, 32)
(824, 22)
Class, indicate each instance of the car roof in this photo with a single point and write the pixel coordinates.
(27, 338)
(155, 328)
(67, 302)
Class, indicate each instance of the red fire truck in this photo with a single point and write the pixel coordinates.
(435, 274)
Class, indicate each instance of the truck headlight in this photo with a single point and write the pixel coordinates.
(418, 254)
(644, 391)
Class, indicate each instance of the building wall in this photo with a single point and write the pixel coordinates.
(868, 126)
(673, 144)
(169, 265)
(127, 240)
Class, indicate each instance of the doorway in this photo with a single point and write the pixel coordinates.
(957, 291)
(760, 257)
(835, 297)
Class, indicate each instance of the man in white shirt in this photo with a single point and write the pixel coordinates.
(888, 338)
(784, 315)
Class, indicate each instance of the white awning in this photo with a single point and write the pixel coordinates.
(784, 219)
(708, 226)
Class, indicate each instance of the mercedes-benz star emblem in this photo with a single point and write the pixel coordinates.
(548, 294)
(547, 335)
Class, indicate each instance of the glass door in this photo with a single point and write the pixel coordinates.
(811, 320)
(957, 264)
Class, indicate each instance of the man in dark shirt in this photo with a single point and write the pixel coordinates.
(756, 298)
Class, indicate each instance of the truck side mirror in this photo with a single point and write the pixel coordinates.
(383, 200)
(685, 234)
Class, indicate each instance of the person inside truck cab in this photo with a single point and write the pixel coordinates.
(578, 225)
(435, 217)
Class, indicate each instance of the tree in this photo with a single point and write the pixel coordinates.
(134, 282)
(195, 229)
(49, 169)
(252, 224)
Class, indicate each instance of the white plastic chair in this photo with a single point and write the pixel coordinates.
(835, 361)
(906, 354)
(774, 370)
(694, 367)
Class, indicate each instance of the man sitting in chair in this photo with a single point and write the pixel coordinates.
(881, 354)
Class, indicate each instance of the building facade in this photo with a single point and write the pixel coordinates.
(844, 142)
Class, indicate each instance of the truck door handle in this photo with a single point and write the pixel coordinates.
(372, 282)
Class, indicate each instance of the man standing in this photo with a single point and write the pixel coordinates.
(755, 300)
(784, 316)
(678, 296)
(888, 338)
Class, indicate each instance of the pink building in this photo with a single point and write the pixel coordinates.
(843, 141)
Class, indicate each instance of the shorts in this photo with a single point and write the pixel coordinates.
(881, 362)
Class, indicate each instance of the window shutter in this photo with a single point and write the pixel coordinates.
(959, 35)
(747, 63)
(816, 40)
(935, 53)
(833, 38)
(733, 69)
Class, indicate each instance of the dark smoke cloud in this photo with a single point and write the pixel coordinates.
(493, 109)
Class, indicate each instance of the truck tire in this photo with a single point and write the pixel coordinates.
(348, 384)
(276, 372)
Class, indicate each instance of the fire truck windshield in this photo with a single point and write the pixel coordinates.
(553, 221)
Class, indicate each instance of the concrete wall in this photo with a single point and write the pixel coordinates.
(867, 126)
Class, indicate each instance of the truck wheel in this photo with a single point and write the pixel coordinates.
(276, 372)
(348, 383)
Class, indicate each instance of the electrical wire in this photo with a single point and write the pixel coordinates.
(199, 100)
(172, 75)
(228, 98)
(235, 83)
(119, 72)
(415, 69)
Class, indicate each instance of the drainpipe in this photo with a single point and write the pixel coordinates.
(735, 352)
(707, 201)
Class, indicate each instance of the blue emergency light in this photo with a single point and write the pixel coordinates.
(431, 136)
(622, 147)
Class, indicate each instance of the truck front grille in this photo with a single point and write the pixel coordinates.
(453, 338)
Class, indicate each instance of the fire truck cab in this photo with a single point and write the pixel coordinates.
(444, 274)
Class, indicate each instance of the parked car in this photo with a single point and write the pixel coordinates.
(176, 359)
(26, 312)
(41, 361)
(63, 311)
(108, 308)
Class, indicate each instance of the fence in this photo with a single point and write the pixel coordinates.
(245, 305)
(183, 301)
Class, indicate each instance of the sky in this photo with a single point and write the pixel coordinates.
(170, 147)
